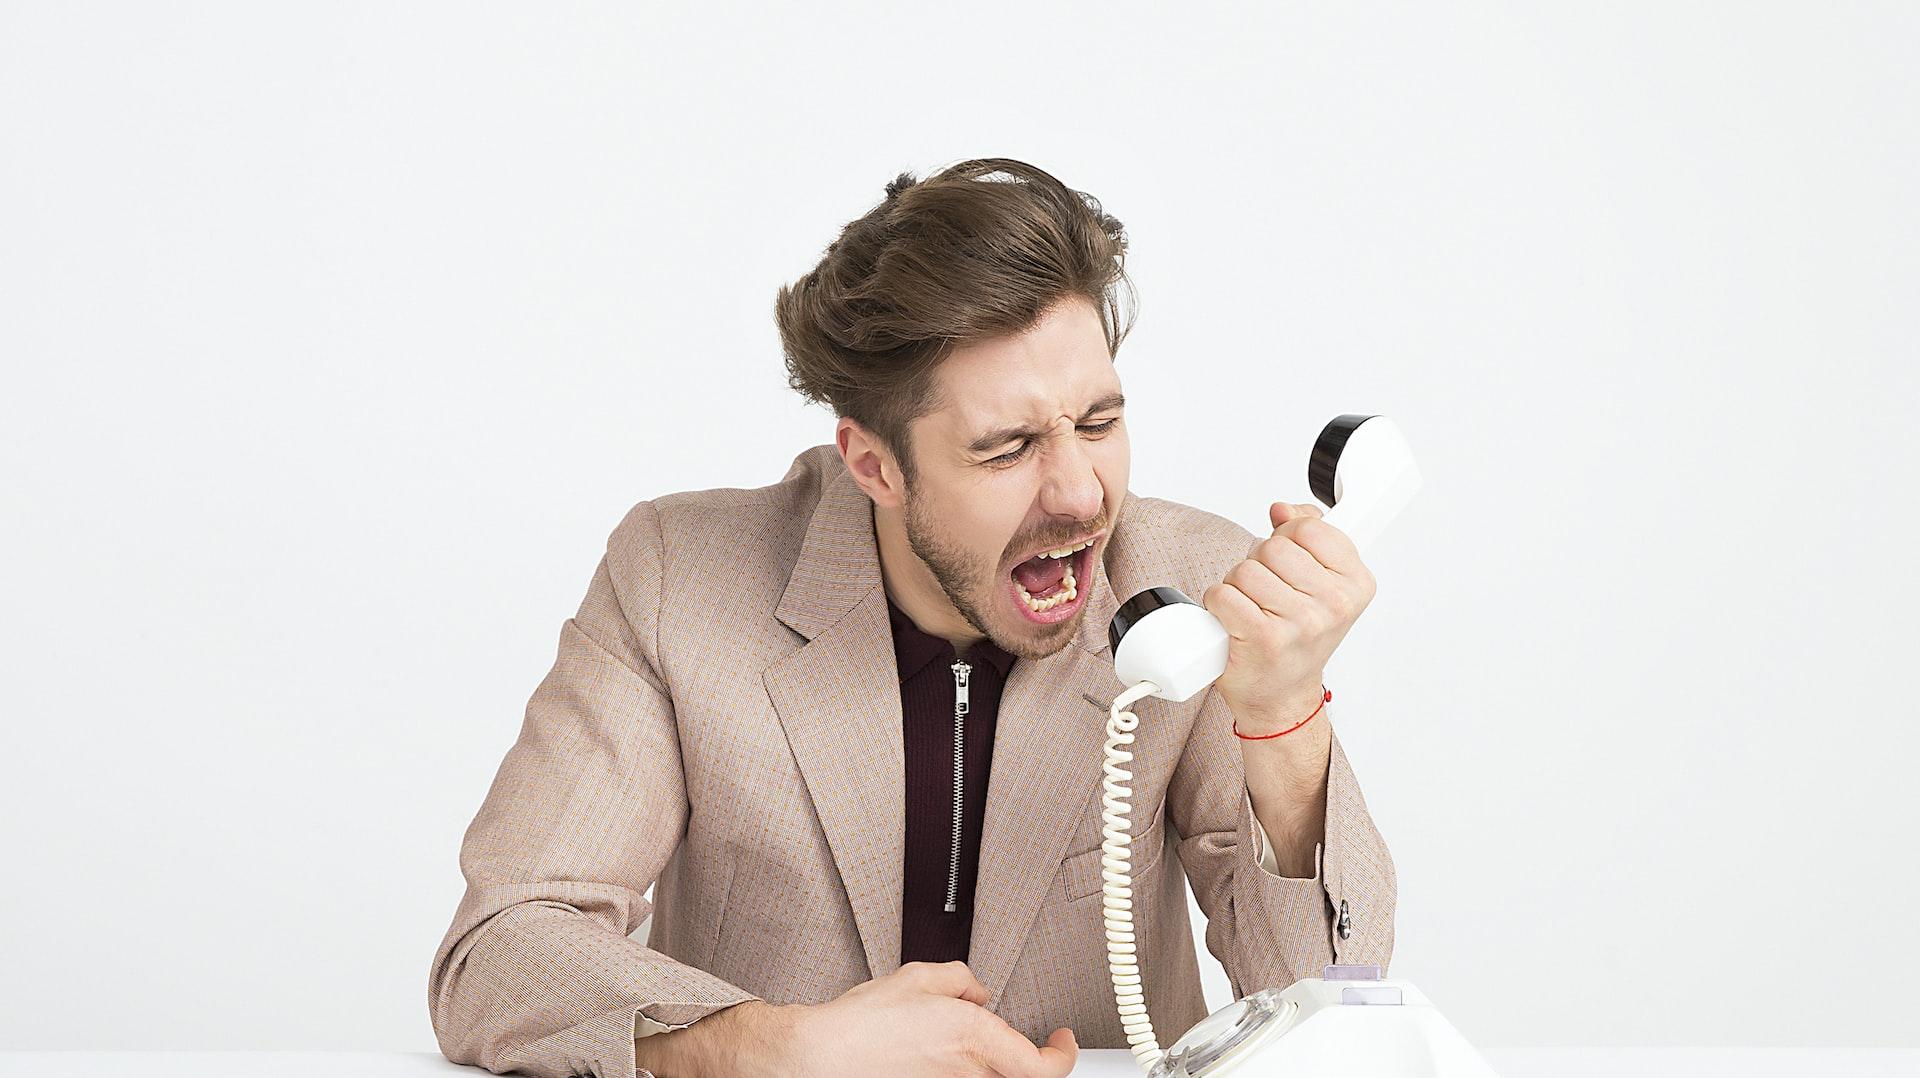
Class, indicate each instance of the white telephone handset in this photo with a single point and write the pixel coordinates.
(1349, 1020)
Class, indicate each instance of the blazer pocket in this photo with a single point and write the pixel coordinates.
(1079, 874)
(720, 918)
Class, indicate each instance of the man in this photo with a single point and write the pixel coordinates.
(752, 711)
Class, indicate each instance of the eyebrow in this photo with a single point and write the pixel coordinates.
(1000, 437)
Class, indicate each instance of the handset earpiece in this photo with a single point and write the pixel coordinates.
(1360, 466)
(1363, 469)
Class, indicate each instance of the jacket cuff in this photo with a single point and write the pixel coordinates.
(1263, 848)
(603, 1044)
(1349, 901)
(1361, 891)
(646, 1027)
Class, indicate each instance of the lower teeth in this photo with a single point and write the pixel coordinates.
(1066, 594)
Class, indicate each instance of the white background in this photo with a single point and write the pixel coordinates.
(338, 337)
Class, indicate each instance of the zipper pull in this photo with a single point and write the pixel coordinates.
(960, 673)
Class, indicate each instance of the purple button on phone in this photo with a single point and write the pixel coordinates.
(1350, 973)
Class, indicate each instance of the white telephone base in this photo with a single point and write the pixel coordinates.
(1349, 1022)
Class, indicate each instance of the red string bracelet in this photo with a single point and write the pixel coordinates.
(1327, 694)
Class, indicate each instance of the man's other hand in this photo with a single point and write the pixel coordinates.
(924, 1020)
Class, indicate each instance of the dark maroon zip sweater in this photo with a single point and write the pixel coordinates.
(927, 694)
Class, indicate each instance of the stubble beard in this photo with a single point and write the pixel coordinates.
(961, 574)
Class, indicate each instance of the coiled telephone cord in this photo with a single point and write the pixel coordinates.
(1123, 960)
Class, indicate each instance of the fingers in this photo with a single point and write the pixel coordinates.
(947, 979)
(1315, 557)
(995, 1044)
(1237, 614)
(1281, 512)
(1060, 1053)
(1007, 1054)
(1282, 571)
(1329, 545)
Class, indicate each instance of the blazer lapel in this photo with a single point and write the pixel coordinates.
(838, 697)
(1047, 756)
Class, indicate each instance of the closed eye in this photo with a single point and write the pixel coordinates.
(1013, 456)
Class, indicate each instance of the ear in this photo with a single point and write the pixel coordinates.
(870, 464)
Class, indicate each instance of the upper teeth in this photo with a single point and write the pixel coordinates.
(1063, 551)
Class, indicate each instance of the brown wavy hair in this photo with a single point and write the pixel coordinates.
(956, 258)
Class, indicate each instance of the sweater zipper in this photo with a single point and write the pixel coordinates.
(960, 671)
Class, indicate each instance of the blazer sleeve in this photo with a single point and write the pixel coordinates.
(537, 973)
(1270, 930)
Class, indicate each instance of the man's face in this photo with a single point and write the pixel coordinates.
(1029, 454)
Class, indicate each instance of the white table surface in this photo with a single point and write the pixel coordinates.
(1094, 1063)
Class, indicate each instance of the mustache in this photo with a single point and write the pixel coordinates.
(1055, 543)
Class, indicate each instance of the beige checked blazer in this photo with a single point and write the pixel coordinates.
(723, 722)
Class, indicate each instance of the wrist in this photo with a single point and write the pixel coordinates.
(745, 1038)
(1287, 711)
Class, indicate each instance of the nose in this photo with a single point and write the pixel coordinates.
(1070, 489)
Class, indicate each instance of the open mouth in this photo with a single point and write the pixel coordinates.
(1050, 590)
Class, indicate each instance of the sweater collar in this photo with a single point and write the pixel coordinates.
(914, 648)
